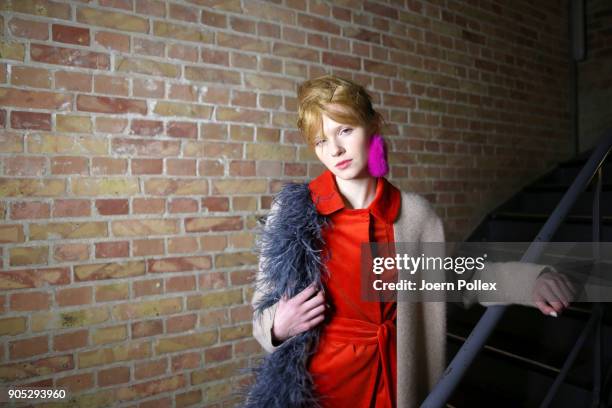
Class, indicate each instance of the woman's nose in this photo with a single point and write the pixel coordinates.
(336, 148)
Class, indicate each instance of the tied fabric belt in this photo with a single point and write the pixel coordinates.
(357, 331)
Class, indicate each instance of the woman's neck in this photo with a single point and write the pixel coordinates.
(357, 193)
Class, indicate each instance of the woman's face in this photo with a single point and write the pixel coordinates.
(344, 143)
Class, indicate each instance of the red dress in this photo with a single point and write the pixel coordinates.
(355, 364)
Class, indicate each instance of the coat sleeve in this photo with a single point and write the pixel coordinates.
(262, 325)
(516, 291)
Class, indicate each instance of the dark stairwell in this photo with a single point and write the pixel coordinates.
(525, 352)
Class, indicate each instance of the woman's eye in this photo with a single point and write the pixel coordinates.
(349, 129)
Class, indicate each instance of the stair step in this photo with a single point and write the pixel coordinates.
(527, 336)
(525, 230)
(542, 217)
(520, 385)
(547, 201)
(530, 341)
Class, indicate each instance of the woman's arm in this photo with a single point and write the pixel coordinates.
(262, 325)
(518, 279)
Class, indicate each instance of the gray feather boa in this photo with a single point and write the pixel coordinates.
(291, 247)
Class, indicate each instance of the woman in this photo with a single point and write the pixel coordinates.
(355, 363)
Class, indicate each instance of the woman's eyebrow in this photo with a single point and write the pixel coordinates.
(335, 130)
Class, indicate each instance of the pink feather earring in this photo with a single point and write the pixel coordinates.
(377, 157)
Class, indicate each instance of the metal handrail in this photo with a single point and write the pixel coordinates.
(455, 371)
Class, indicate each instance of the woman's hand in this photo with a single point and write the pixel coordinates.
(553, 292)
(298, 314)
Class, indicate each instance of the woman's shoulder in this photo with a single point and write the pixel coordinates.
(415, 207)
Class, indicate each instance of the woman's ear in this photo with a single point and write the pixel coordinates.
(377, 156)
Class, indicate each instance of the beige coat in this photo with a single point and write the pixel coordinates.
(421, 327)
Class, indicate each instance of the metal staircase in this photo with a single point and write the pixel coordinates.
(525, 354)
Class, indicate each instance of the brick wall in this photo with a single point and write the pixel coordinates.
(595, 78)
(140, 138)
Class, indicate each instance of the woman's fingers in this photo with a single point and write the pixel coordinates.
(550, 294)
(312, 313)
(305, 294)
(315, 301)
(544, 308)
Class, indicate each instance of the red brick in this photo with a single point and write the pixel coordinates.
(107, 166)
(77, 382)
(148, 88)
(146, 127)
(144, 46)
(111, 124)
(181, 167)
(113, 41)
(28, 347)
(70, 34)
(113, 376)
(69, 56)
(182, 245)
(29, 76)
(180, 12)
(73, 81)
(142, 147)
(214, 19)
(29, 210)
(215, 354)
(71, 208)
(147, 328)
(33, 278)
(178, 324)
(69, 165)
(180, 284)
(113, 249)
(183, 52)
(341, 61)
(148, 287)
(151, 7)
(74, 296)
(30, 120)
(164, 402)
(102, 104)
(147, 166)
(192, 398)
(213, 280)
(112, 206)
(182, 362)
(28, 301)
(25, 166)
(179, 264)
(215, 203)
(11, 233)
(34, 99)
(39, 367)
(109, 293)
(45, 8)
(146, 247)
(149, 205)
(187, 130)
(183, 92)
(70, 341)
(71, 252)
(110, 84)
(183, 205)
(35, 30)
(150, 369)
(120, 4)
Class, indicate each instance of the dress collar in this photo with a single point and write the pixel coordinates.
(327, 198)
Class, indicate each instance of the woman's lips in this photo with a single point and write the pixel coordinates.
(344, 164)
